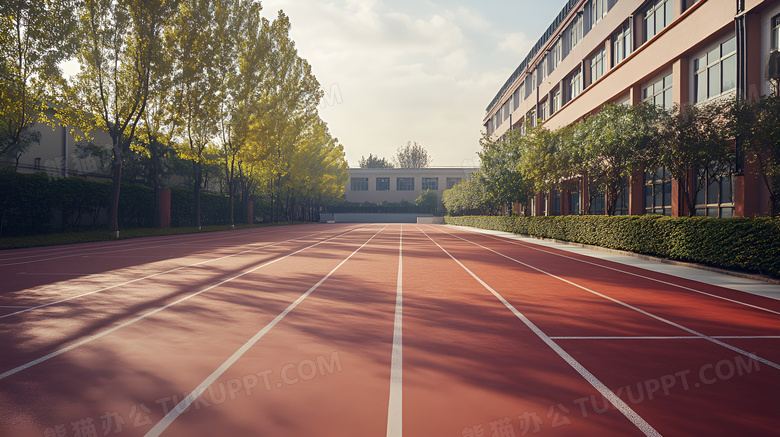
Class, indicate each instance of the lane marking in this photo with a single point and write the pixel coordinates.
(148, 314)
(395, 403)
(639, 310)
(531, 246)
(158, 274)
(182, 406)
(618, 403)
(679, 337)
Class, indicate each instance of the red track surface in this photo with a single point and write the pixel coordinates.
(290, 332)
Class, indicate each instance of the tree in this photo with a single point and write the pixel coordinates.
(500, 171)
(196, 85)
(374, 162)
(619, 140)
(120, 42)
(756, 125)
(694, 148)
(428, 201)
(412, 156)
(35, 36)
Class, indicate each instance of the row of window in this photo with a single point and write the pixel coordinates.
(656, 16)
(402, 183)
(716, 199)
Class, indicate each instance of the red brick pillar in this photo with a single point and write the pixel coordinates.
(249, 212)
(164, 208)
(636, 199)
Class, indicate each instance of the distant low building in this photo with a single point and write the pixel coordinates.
(59, 155)
(395, 185)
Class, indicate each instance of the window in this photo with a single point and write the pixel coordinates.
(574, 202)
(575, 31)
(383, 184)
(529, 85)
(359, 184)
(556, 54)
(451, 182)
(659, 93)
(621, 205)
(716, 199)
(598, 64)
(715, 72)
(657, 16)
(542, 69)
(658, 192)
(776, 32)
(598, 206)
(689, 3)
(544, 110)
(621, 44)
(404, 184)
(555, 101)
(516, 98)
(430, 184)
(531, 117)
(575, 84)
(599, 9)
(555, 203)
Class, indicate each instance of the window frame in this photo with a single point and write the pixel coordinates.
(357, 184)
(452, 181)
(401, 184)
(654, 186)
(718, 205)
(621, 44)
(703, 72)
(598, 65)
(667, 89)
(430, 183)
(384, 180)
(774, 32)
(652, 11)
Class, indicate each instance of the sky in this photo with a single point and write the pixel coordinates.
(395, 71)
(400, 71)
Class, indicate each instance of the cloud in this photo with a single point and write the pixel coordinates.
(405, 72)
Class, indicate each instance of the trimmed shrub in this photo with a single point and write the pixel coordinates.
(749, 244)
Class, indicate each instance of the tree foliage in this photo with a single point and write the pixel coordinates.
(35, 36)
(413, 155)
(374, 162)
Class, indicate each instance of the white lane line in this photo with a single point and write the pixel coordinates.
(395, 404)
(182, 406)
(148, 314)
(618, 403)
(153, 275)
(639, 310)
(679, 337)
(660, 281)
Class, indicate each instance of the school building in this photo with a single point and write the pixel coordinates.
(632, 51)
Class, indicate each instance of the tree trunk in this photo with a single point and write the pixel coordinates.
(198, 181)
(113, 209)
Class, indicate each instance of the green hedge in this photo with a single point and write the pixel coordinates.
(749, 244)
(37, 204)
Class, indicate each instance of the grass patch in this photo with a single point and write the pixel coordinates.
(102, 234)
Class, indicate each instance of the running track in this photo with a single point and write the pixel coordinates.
(373, 330)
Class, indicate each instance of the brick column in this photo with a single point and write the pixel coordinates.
(164, 208)
(636, 195)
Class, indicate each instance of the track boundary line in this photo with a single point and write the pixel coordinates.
(395, 403)
(185, 403)
(608, 394)
(639, 310)
(531, 246)
(150, 313)
(27, 309)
